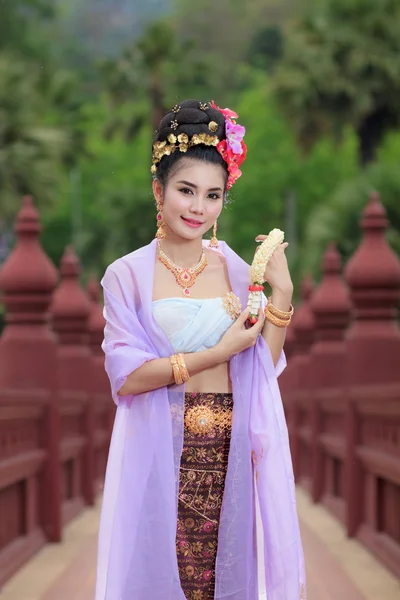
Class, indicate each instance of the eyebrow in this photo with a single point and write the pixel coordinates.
(214, 189)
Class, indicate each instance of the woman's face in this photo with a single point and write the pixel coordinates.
(192, 199)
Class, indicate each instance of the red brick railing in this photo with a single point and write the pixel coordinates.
(55, 408)
(341, 390)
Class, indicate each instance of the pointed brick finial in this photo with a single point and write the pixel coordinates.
(331, 303)
(373, 272)
(70, 308)
(303, 319)
(27, 280)
(27, 276)
(96, 320)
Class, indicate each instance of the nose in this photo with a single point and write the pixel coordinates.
(197, 205)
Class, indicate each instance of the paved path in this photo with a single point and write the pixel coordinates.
(337, 568)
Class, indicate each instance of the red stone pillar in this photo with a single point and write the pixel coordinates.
(104, 407)
(373, 343)
(303, 325)
(70, 311)
(28, 388)
(331, 307)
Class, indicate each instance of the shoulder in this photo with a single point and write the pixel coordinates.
(215, 258)
(227, 257)
(130, 263)
(230, 256)
(123, 275)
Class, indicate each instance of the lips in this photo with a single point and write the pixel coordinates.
(192, 222)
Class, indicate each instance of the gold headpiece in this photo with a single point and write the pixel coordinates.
(181, 143)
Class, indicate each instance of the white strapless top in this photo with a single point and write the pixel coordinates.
(192, 324)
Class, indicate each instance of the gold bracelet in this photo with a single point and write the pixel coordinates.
(275, 320)
(176, 370)
(182, 367)
(277, 312)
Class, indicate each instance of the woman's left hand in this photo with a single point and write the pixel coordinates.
(277, 271)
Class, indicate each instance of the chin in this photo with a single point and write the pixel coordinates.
(190, 235)
(196, 235)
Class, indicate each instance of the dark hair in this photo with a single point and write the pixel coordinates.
(191, 119)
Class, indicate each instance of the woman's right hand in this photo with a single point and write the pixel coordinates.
(239, 337)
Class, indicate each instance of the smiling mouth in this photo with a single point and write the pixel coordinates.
(192, 222)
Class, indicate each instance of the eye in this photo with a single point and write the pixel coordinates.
(214, 196)
(186, 190)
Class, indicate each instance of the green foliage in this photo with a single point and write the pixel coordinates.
(78, 135)
(16, 31)
(341, 67)
(275, 171)
(153, 73)
(227, 33)
(266, 48)
(268, 172)
(106, 207)
(30, 150)
(338, 219)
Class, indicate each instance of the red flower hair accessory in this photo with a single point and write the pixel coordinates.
(233, 149)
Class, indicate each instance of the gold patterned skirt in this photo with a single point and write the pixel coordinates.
(207, 435)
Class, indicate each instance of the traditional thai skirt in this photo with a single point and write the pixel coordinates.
(207, 434)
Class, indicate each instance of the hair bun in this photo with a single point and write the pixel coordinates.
(191, 117)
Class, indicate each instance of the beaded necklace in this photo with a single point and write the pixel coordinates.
(185, 278)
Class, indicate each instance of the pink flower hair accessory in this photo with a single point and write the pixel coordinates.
(233, 149)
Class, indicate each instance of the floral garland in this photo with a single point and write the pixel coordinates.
(233, 149)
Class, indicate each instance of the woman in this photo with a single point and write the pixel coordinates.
(199, 416)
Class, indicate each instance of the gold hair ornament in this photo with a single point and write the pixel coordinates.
(181, 142)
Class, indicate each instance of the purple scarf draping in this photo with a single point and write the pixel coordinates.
(137, 555)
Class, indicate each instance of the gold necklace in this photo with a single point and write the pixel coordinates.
(185, 278)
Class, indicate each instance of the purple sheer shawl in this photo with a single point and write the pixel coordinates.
(137, 556)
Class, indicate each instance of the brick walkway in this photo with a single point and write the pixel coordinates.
(337, 568)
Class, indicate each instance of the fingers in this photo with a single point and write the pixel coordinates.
(242, 318)
(260, 323)
(281, 249)
(261, 237)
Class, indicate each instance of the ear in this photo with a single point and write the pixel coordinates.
(157, 191)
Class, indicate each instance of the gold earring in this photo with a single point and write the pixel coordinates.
(214, 242)
(160, 235)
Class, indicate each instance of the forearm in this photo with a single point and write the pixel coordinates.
(158, 373)
(273, 335)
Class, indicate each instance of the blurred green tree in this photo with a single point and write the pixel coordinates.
(16, 30)
(341, 67)
(279, 187)
(266, 48)
(30, 151)
(151, 74)
(338, 218)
